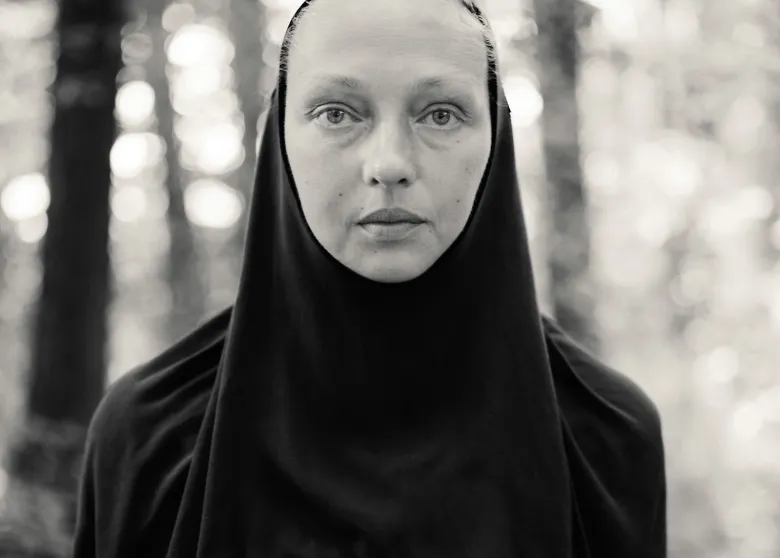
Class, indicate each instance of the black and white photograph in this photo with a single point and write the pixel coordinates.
(389, 279)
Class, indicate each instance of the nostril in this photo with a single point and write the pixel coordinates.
(387, 183)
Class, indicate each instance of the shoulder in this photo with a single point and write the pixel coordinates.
(589, 382)
(125, 401)
(613, 438)
(143, 428)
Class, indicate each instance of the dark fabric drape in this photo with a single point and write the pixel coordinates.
(327, 415)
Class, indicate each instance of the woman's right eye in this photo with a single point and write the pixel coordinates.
(334, 118)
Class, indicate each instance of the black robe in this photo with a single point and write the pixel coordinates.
(325, 415)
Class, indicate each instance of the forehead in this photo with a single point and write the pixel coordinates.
(404, 37)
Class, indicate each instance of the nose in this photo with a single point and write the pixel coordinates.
(390, 159)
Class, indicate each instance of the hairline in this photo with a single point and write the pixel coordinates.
(470, 5)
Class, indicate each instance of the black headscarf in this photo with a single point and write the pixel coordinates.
(328, 415)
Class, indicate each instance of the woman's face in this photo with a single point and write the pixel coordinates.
(387, 111)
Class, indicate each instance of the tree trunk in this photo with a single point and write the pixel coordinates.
(68, 361)
(185, 278)
(571, 285)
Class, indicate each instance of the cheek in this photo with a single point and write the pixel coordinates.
(320, 178)
(459, 186)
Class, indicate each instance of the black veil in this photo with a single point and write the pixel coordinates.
(325, 414)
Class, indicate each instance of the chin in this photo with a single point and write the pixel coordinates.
(384, 269)
(391, 275)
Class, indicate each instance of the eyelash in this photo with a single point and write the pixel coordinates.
(316, 115)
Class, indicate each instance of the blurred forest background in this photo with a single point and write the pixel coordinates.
(648, 145)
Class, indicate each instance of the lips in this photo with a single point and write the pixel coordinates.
(391, 216)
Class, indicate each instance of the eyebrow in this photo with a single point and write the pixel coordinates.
(425, 84)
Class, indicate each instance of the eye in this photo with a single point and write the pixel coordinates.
(442, 118)
(334, 117)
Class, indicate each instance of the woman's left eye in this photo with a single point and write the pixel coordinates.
(442, 118)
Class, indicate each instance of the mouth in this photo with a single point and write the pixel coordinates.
(390, 225)
(392, 216)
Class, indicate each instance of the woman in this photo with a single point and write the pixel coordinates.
(384, 386)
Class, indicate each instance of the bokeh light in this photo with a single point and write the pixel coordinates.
(133, 152)
(524, 98)
(198, 44)
(129, 203)
(681, 22)
(220, 149)
(212, 204)
(31, 19)
(135, 103)
(177, 15)
(619, 18)
(203, 80)
(25, 197)
(32, 230)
